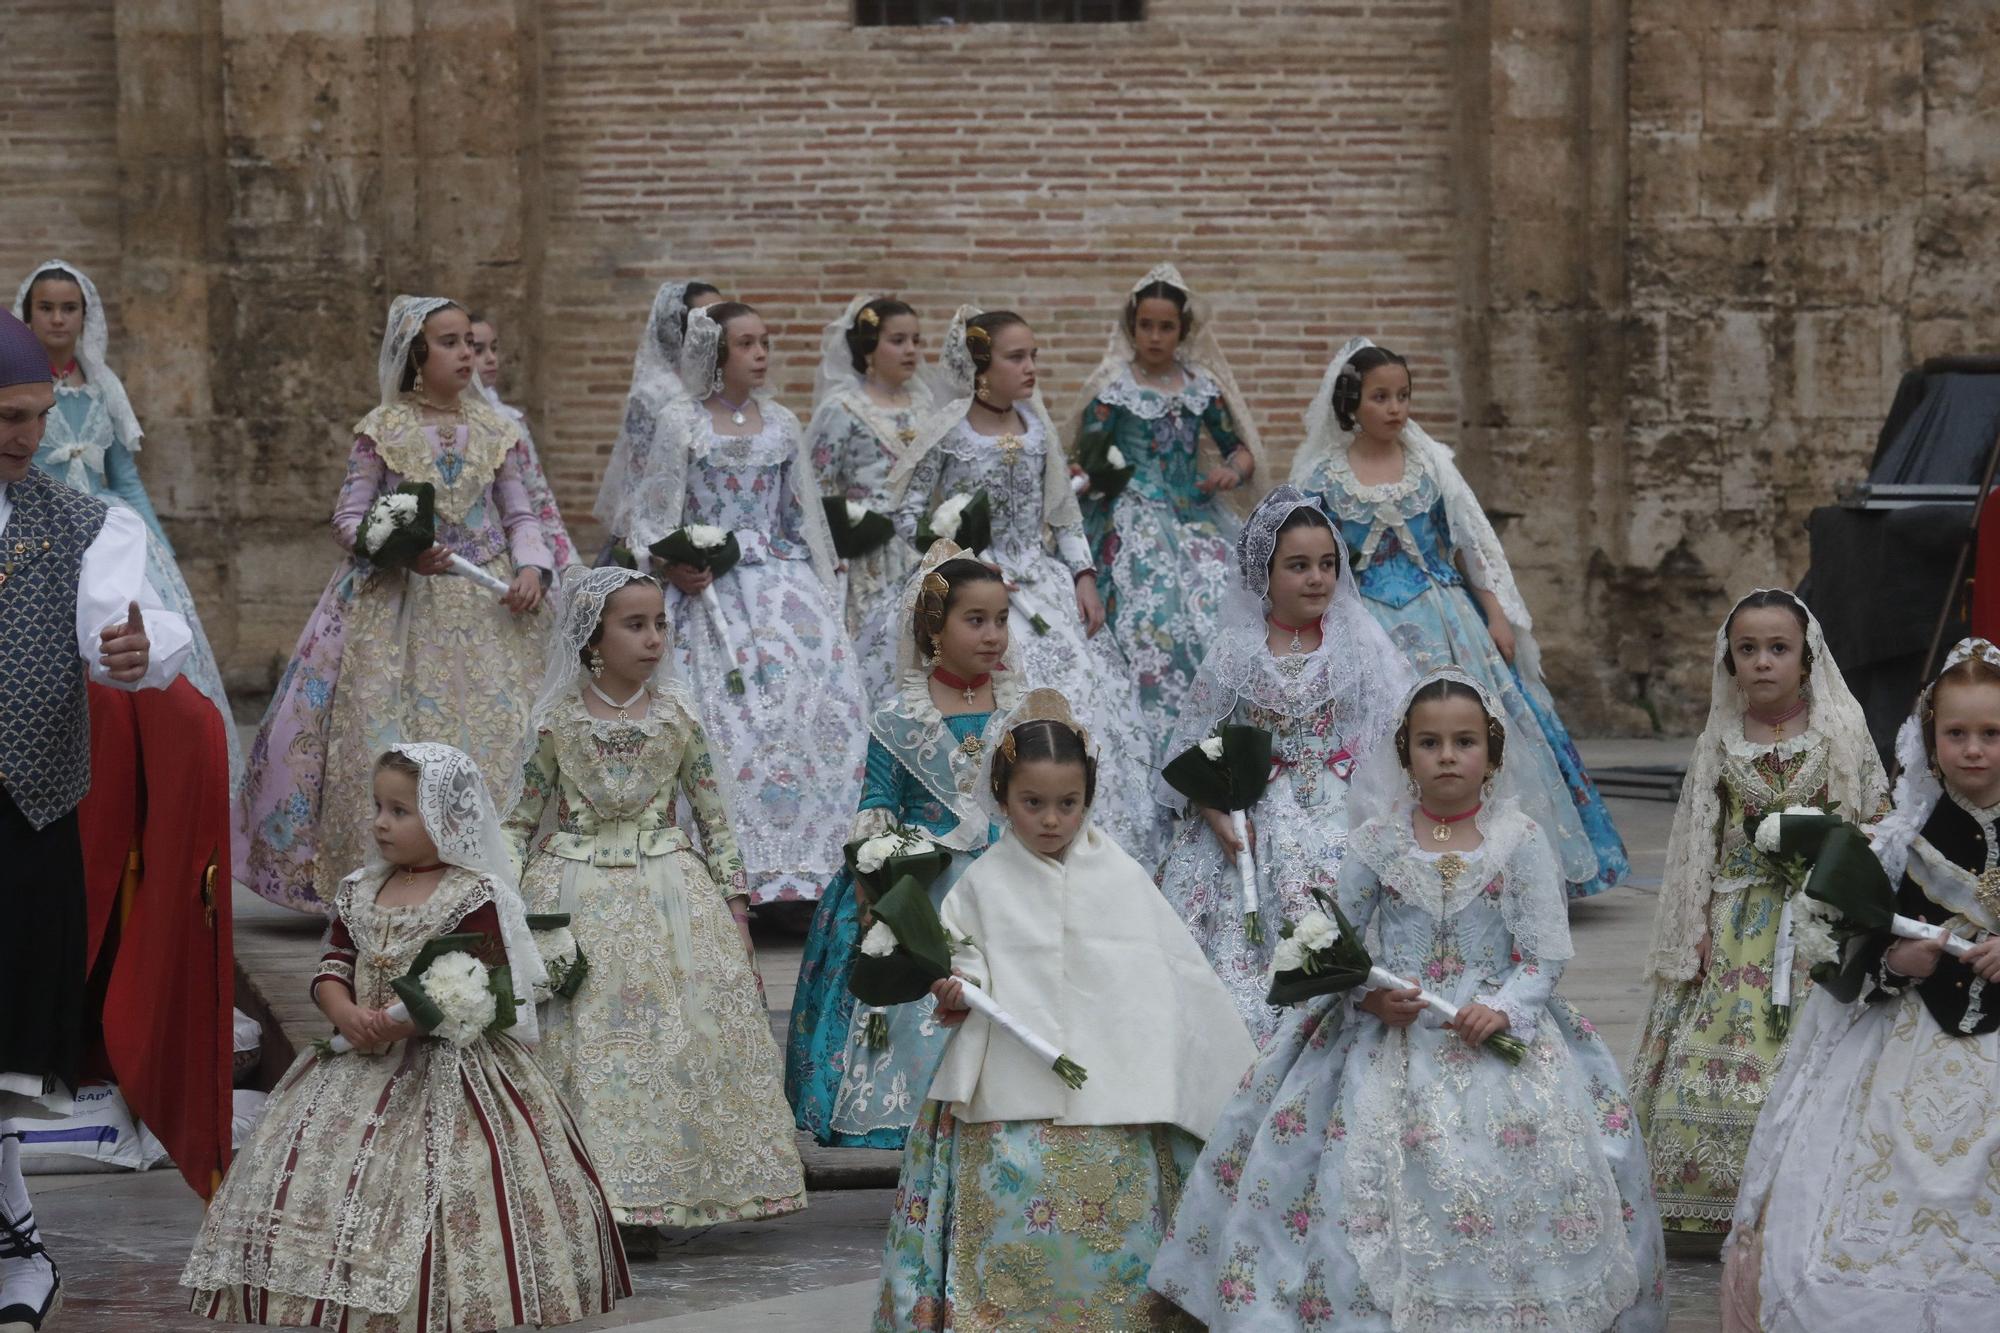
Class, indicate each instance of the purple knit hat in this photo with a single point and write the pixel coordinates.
(23, 359)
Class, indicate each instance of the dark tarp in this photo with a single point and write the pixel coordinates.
(1879, 578)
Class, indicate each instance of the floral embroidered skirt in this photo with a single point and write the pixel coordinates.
(1874, 1177)
(1024, 1225)
(1706, 1060)
(424, 1190)
(665, 1054)
(1378, 1181)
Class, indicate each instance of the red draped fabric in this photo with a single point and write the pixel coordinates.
(155, 830)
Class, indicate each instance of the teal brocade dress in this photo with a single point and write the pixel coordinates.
(842, 1093)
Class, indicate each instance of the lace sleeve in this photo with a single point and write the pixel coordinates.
(367, 473)
(916, 498)
(539, 776)
(711, 816)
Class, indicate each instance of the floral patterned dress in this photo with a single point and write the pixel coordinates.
(390, 655)
(855, 442)
(664, 1054)
(845, 1092)
(790, 747)
(1712, 1046)
(429, 1189)
(1370, 1179)
(1301, 836)
(1403, 559)
(1089, 672)
(1164, 549)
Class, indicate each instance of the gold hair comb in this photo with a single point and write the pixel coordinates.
(867, 319)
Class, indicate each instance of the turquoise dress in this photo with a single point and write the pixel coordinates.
(81, 449)
(1165, 551)
(1402, 544)
(842, 1092)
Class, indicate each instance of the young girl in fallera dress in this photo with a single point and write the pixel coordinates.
(1782, 731)
(412, 1185)
(728, 455)
(1296, 654)
(664, 1053)
(867, 401)
(1380, 1172)
(1871, 1198)
(1164, 546)
(1024, 1203)
(391, 654)
(955, 680)
(1434, 574)
(991, 433)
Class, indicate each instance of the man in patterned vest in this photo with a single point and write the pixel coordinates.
(72, 582)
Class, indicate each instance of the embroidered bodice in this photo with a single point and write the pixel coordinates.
(1160, 435)
(891, 786)
(615, 784)
(1009, 468)
(1398, 531)
(476, 469)
(1759, 777)
(1440, 922)
(386, 940)
(745, 484)
(857, 444)
(1306, 747)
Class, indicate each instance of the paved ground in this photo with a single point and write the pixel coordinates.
(122, 1239)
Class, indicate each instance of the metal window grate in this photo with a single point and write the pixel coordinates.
(945, 13)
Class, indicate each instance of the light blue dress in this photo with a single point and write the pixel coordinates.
(842, 1092)
(1403, 547)
(81, 449)
(1371, 1179)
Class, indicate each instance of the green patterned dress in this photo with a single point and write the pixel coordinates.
(1712, 1045)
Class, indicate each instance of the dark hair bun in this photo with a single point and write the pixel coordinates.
(864, 335)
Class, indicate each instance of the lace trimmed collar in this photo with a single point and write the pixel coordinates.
(664, 709)
(1197, 391)
(1985, 816)
(710, 440)
(965, 442)
(1737, 741)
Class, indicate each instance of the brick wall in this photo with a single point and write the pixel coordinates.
(1292, 158)
(59, 141)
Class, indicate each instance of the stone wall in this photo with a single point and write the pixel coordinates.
(1659, 264)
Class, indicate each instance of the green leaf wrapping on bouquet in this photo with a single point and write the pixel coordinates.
(1107, 483)
(571, 977)
(1847, 877)
(1340, 967)
(621, 556)
(409, 987)
(922, 954)
(677, 548)
(1798, 835)
(975, 527)
(402, 545)
(1236, 781)
(924, 867)
(852, 540)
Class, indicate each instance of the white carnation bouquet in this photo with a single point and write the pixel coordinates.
(561, 955)
(448, 993)
(401, 525)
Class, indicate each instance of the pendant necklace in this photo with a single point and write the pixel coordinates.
(1777, 724)
(967, 687)
(736, 416)
(1441, 824)
(1298, 644)
(61, 374)
(622, 708)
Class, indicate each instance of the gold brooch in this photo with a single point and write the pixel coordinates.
(970, 747)
(1989, 891)
(1451, 868)
(1010, 448)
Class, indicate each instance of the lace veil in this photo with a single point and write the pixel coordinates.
(1694, 846)
(579, 606)
(1918, 788)
(1355, 667)
(460, 816)
(1200, 353)
(1471, 531)
(1380, 802)
(909, 726)
(656, 381)
(91, 348)
(659, 499)
(952, 381)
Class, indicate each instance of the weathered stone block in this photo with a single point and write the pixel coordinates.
(1664, 81)
(1722, 364)
(1832, 265)
(1845, 362)
(1665, 175)
(1744, 77)
(1744, 176)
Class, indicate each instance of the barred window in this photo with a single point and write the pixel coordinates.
(944, 13)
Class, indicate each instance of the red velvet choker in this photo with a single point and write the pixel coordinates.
(945, 678)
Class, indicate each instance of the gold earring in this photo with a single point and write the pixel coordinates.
(979, 387)
(596, 663)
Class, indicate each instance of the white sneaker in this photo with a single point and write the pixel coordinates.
(30, 1287)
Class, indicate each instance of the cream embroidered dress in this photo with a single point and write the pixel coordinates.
(665, 1053)
(429, 1189)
